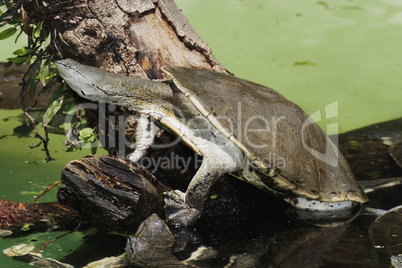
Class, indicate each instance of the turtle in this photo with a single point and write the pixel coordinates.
(151, 246)
(237, 126)
(151, 243)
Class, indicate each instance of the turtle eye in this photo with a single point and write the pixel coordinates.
(82, 92)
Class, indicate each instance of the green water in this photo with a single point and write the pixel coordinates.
(24, 174)
(313, 52)
(24, 171)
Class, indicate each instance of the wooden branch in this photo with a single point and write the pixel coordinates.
(19, 217)
(111, 192)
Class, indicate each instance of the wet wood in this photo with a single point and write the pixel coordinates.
(113, 193)
(396, 152)
(23, 217)
(372, 151)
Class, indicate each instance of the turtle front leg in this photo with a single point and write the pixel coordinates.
(183, 209)
(144, 136)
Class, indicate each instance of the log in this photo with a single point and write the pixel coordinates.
(111, 192)
(371, 150)
(21, 217)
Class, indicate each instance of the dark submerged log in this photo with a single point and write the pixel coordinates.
(19, 217)
(111, 192)
(373, 151)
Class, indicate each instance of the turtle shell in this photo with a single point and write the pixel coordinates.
(291, 154)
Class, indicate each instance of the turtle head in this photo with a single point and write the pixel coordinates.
(82, 79)
(98, 85)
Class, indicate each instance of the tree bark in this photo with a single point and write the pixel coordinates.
(114, 193)
(130, 37)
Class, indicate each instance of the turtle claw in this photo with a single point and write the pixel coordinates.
(178, 212)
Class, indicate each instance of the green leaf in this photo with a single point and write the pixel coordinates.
(72, 148)
(69, 103)
(56, 125)
(7, 33)
(23, 51)
(35, 69)
(87, 135)
(8, 16)
(44, 73)
(49, 85)
(26, 226)
(57, 93)
(20, 59)
(46, 42)
(31, 85)
(33, 73)
(52, 110)
(94, 148)
(37, 30)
